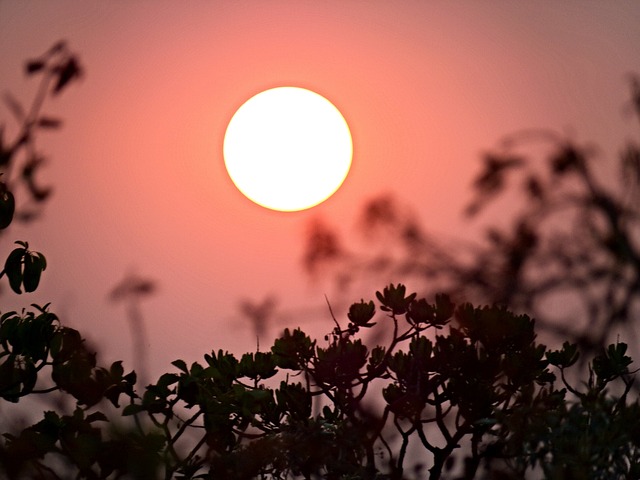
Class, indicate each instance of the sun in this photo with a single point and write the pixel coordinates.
(288, 149)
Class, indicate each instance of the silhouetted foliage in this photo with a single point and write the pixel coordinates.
(457, 391)
(20, 159)
(452, 382)
(567, 232)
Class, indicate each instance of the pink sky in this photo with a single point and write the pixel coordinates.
(138, 169)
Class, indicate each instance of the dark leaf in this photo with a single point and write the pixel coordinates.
(49, 122)
(444, 308)
(13, 269)
(421, 312)
(7, 206)
(293, 350)
(164, 381)
(360, 313)
(566, 159)
(116, 370)
(492, 179)
(34, 66)
(39, 194)
(66, 73)
(611, 363)
(564, 358)
(534, 188)
(97, 417)
(393, 299)
(57, 47)
(33, 267)
(180, 365)
(295, 400)
(630, 164)
(132, 409)
(5, 154)
(130, 378)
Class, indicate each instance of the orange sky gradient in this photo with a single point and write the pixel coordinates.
(138, 172)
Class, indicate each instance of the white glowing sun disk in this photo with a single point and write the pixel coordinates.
(288, 149)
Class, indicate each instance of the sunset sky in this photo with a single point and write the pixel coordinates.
(140, 183)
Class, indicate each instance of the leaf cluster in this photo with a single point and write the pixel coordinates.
(462, 388)
(24, 268)
(33, 342)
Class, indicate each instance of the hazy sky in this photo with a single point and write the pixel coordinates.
(138, 169)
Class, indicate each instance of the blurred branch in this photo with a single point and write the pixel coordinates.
(569, 235)
(20, 159)
(130, 291)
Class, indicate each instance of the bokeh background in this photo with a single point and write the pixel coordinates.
(140, 184)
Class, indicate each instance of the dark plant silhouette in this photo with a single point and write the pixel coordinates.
(131, 290)
(572, 238)
(20, 159)
(453, 390)
(259, 314)
(57, 68)
(461, 391)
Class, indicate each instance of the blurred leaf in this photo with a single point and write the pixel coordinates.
(49, 122)
(15, 106)
(630, 165)
(567, 158)
(495, 167)
(5, 153)
(34, 66)
(67, 72)
(59, 46)
(533, 187)
(322, 246)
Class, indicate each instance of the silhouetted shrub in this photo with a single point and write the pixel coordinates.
(459, 390)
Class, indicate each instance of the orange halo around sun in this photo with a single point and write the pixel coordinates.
(288, 149)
